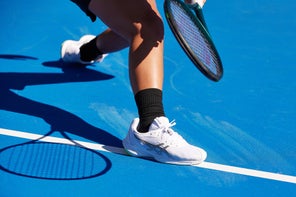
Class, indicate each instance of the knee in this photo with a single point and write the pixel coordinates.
(150, 28)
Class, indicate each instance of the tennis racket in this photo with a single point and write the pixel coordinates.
(43, 159)
(188, 25)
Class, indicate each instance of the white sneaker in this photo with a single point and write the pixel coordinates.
(70, 50)
(162, 144)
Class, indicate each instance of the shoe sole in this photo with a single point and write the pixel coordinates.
(183, 163)
(130, 151)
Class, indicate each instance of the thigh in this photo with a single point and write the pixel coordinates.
(124, 16)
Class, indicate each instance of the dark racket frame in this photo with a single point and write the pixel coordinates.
(213, 71)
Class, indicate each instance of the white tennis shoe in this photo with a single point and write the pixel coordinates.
(70, 51)
(162, 144)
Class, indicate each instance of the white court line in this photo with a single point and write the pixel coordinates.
(207, 165)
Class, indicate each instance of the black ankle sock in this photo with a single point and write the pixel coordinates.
(149, 103)
(89, 51)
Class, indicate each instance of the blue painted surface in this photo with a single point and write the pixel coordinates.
(247, 119)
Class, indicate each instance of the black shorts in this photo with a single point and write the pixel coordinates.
(83, 4)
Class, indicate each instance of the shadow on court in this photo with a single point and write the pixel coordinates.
(17, 57)
(58, 119)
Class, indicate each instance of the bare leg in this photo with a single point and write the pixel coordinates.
(139, 23)
(109, 42)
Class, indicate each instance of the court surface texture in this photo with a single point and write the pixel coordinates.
(245, 122)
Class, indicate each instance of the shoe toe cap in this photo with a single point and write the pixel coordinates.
(188, 155)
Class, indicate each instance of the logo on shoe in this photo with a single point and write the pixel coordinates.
(159, 149)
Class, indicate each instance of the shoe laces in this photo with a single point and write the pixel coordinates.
(169, 136)
(168, 127)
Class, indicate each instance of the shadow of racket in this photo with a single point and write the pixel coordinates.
(45, 158)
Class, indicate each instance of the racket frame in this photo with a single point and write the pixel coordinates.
(199, 21)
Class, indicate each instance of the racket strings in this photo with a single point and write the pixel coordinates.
(194, 37)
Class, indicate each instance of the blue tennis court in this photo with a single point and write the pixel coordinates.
(245, 122)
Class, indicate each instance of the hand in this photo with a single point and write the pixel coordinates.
(192, 2)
